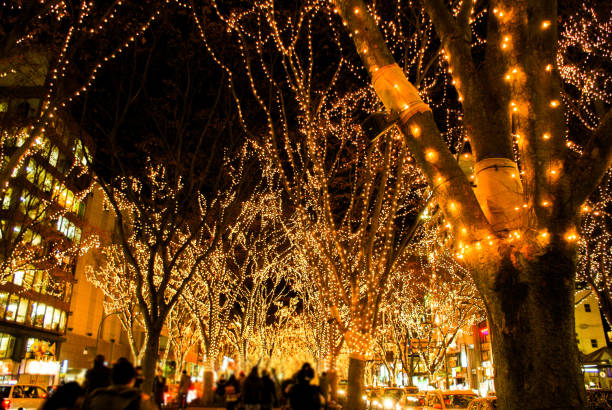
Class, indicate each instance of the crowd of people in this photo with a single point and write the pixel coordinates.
(255, 392)
(119, 388)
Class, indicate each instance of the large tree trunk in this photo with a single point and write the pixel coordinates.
(529, 300)
(149, 360)
(355, 383)
(207, 388)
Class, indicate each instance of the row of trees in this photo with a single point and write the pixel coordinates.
(426, 148)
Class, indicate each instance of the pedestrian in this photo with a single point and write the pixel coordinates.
(324, 388)
(68, 396)
(184, 385)
(121, 395)
(220, 390)
(303, 395)
(251, 390)
(139, 377)
(268, 391)
(232, 392)
(159, 388)
(98, 376)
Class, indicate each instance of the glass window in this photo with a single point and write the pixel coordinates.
(54, 156)
(22, 310)
(28, 278)
(7, 343)
(38, 280)
(593, 342)
(47, 184)
(6, 201)
(18, 277)
(48, 317)
(39, 314)
(62, 322)
(56, 319)
(3, 303)
(11, 309)
(587, 307)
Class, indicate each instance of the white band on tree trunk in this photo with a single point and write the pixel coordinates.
(499, 192)
(396, 92)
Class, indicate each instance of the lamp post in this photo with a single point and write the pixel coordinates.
(99, 334)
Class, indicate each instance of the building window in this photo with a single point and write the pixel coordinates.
(7, 343)
(3, 303)
(593, 342)
(587, 307)
(11, 310)
(22, 310)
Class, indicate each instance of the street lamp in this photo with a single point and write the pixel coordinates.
(99, 334)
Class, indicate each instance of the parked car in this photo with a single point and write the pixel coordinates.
(411, 389)
(22, 396)
(483, 403)
(386, 398)
(448, 399)
(413, 401)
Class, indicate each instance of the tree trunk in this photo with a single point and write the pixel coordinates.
(207, 388)
(149, 360)
(332, 375)
(355, 384)
(529, 300)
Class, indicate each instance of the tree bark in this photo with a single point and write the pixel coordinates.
(529, 300)
(207, 388)
(355, 384)
(332, 375)
(149, 360)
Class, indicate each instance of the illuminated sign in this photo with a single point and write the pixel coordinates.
(42, 367)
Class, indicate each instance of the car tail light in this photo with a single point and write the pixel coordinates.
(6, 404)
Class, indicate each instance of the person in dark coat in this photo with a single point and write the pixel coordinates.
(67, 397)
(303, 395)
(232, 391)
(251, 390)
(139, 377)
(159, 388)
(324, 388)
(121, 395)
(98, 376)
(268, 391)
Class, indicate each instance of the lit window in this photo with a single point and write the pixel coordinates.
(22, 310)
(18, 277)
(11, 309)
(54, 156)
(3, 303)
(48, 317)
(56, 319)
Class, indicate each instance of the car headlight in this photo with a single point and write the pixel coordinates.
(375, 403)
(388, 403)
(341, 392)
(364, 397)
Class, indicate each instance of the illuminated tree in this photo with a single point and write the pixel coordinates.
(211, 297)
(50, 54)
(584, 59)
(112, 276)
(183, 335)
(517, 230)
(169, 165)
